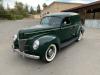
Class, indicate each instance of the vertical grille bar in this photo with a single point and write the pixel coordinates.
(21, 43)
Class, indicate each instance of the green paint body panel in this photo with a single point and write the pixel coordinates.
(49, 34)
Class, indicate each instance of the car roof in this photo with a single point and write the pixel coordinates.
(63, 14)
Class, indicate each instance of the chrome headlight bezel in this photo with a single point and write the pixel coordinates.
(36, 44)
(14, 37)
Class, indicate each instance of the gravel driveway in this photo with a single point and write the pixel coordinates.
(81, 58)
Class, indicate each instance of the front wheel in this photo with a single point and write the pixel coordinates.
(50, 53)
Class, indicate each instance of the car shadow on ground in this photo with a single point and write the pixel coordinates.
(68, 47)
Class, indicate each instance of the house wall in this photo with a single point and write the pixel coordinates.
(92, 23)
(97, 15)
(58, 7)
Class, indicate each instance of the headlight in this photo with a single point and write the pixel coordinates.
(14, 37)
(36, 44)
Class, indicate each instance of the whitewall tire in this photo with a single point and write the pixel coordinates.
(50, 53)
(80, 36)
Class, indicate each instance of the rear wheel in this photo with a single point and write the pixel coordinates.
(50, 53)
(80, 36)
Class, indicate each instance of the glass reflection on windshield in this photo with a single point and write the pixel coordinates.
(51, 20)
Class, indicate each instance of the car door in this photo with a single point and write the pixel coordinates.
(66, 29)
(75, 20)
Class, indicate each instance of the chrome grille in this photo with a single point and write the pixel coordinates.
(21, 43)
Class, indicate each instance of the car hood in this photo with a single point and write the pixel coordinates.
(35, 29)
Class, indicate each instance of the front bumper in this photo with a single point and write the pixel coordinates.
(25, 55)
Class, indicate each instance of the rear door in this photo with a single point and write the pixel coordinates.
(75, 24)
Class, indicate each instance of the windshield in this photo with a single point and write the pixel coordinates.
(51, 20)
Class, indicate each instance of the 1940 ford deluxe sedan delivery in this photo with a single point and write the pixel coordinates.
(45, 40)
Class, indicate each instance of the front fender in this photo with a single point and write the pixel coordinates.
(45, 41)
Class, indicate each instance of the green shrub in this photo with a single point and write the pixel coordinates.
(19, 17)
(11, 16)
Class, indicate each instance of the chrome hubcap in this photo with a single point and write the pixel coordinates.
(51, 52)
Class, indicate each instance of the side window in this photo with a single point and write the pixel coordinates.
(66, 21)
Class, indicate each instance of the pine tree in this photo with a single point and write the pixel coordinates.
(38, 9)
(32, 11)
(26, 8)
(8, 8)
(1, 5)
(1, 2)
(2, 10)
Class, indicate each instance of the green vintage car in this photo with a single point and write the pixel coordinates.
(43, 41)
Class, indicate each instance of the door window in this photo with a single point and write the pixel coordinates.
(66, 21)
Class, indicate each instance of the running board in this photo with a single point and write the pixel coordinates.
(68, 42)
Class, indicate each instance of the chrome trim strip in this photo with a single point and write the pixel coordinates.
(68, 26)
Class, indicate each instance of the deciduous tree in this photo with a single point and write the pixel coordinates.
(44, 5)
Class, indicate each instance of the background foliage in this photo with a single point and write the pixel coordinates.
(19, 11)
